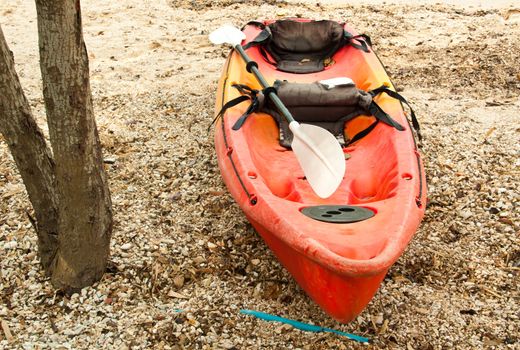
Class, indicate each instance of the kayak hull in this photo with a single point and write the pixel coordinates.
(340, 266)
(342, 297)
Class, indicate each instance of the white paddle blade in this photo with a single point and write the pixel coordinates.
(227, 34)
(321, 157)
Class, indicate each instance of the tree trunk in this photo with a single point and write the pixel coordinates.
(31, 154)
(69, 192)
(85, 214)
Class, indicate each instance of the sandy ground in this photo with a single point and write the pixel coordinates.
(180, 242)
(471, 4)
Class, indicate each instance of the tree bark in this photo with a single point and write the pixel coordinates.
(85, 214)
(31, 154)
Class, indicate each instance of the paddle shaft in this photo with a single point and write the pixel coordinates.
(276, 100)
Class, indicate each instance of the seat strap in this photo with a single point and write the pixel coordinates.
(257, 98)
(253, 107)
(381, 115)
(254, 23)
(397, 96)
(247, 94)
(362, 133)
(260, 39)
(361, 42)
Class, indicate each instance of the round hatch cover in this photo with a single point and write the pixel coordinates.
(338, 214)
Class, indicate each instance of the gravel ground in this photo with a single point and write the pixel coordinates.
(181, 243)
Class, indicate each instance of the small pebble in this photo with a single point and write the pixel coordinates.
(199, 259)
(465, 214)
(126, 246)
(227, 344)
(178, 281)
(10, 245)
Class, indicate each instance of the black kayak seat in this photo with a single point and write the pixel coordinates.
(303, 47)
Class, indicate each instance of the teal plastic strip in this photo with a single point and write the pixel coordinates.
(302, 326)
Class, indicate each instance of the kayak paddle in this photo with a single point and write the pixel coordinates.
(319, 153)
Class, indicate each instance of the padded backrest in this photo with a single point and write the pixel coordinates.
(315, 38)
(302, 47)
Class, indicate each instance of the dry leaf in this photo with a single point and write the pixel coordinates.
(174, 294)
(489, 132)
(155, 45)
(8, 335)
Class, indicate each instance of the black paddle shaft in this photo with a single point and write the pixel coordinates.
(276, 100)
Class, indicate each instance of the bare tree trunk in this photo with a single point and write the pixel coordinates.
(31, 154)
(85, 214)
(69, 192)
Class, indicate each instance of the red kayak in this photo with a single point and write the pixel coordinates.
(337, 248)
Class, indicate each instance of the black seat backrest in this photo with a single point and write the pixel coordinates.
(301, 47)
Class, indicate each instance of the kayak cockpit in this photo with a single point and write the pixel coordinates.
(370, 174)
